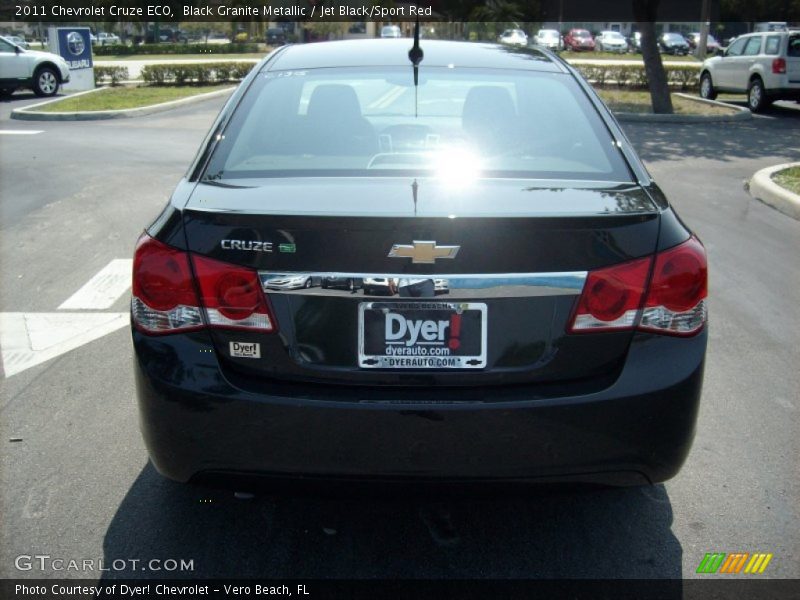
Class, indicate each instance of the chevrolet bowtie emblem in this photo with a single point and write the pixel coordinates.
(423, 252)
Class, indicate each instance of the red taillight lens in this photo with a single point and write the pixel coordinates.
(232, 295)
(164, 299)
(778, 66)
(676, 300)
(674, 303)
(611, 297)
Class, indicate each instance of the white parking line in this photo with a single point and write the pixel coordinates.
(20, 131)
(29, 339)
(104, 289)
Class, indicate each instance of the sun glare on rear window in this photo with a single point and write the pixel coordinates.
(371, 122)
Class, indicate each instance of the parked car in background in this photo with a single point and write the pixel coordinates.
(611, 41)
(291, 281)
(391, 31)
(673, 43)
(712, 45)
(344, 283)
(275, 36)
(40, 71)
(765, 66)
(635, 42)
(513, 37)
(106, 39)
(15, 39)
(550, 39)
(579, 40)
(167, 35)
(379, 286)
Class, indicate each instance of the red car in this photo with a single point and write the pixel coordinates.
(579, 40)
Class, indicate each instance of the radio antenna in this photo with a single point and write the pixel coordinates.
(415, 55)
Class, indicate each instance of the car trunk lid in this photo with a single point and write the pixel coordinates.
(509, 257)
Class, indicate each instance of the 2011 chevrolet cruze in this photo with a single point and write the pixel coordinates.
(570, 343)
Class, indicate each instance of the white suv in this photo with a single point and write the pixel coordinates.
(40, 71)
(765, 66)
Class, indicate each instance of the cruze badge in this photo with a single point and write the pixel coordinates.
(423, 252)
(250, 245)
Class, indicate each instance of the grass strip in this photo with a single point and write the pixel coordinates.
(118, 98)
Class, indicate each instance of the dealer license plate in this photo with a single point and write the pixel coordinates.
(422, 335)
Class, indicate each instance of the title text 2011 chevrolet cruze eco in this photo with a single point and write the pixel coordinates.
(542, 315)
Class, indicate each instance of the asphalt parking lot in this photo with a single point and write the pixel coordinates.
(74, 478)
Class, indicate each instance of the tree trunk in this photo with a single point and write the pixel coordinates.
(645, 13)
(702, 43)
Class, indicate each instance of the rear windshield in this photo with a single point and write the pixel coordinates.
(373, 122)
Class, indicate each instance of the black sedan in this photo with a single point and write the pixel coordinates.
(569, 347)
(673, 43)
(275, 36)
(345, 283)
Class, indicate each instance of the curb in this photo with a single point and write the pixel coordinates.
(742, 114)
(763, 188)
(27, 114)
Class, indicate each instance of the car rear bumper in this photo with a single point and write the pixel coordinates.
(197, 423)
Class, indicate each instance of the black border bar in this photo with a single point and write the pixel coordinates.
(706, 588)
(522, 11)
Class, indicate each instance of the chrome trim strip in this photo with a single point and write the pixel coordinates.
(474, 285)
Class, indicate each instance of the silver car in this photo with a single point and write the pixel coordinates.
(513, 37)
(550, 39)
(611, 41)
(293, 281)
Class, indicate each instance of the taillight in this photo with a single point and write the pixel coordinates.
(232, 295)
(676, 301)
(778, 66)
(165, 298)
(618, 298)
(612, 297)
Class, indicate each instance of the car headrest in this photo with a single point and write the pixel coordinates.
(487, 104)
(334, 101)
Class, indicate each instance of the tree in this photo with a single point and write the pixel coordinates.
(645, 13)
(498, 11)
(327, 30)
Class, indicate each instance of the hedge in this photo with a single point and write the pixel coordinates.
(687, 77)
(181, 74)
(113, 75)
(124, 49)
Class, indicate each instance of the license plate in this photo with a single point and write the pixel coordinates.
(422, 335)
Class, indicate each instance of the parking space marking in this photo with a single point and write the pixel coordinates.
(20, 131)
(29, 339)
(104, 289)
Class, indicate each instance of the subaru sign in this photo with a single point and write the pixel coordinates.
(74, 45)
